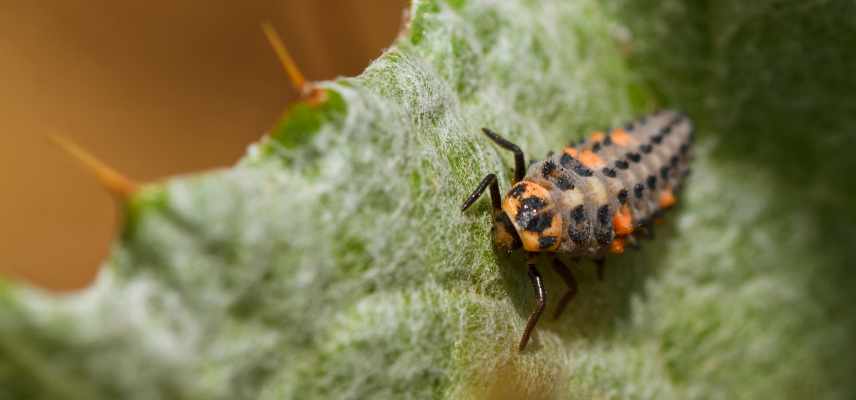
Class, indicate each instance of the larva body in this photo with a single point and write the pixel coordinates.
(603, 189)
(590, 198)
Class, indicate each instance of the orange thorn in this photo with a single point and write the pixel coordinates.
(115, 183)
(306, 89)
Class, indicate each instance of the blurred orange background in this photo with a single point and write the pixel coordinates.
(154, 89)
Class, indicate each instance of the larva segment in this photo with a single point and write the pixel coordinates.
(611, 184)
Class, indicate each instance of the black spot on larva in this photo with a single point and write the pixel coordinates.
(673, 161)
(566, 160)
(657, 139)
(545, 242)
(564, 184)
(581, 170)
(603, 236)
(621, 164)
(532, 203)
(664, 172)
(596, 147)
(603, 214)
(517, 190)
(628, 126)
(646, 148)
(609, 172)
(531, 217)
(548, 168)
(684, 148)
(578, 236)
(638, 189)
(666, 130)
(651, 181)
(622, 196)
(607, 141)
(635, 157)
(578, 213)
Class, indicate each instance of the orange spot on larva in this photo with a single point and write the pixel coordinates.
(667, 198)
(617, 246)
(591, 160)
(620, 137)
(597, 136)
(622, 222)
(571, 151)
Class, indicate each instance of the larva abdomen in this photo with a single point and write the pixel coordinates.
(626, 175)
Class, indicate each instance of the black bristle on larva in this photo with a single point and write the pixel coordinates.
(581, 170)
(578, 214)
(564, 184)
(622, 196)
(609, 172)
(547, 168)
(635, 157)
(638, 189)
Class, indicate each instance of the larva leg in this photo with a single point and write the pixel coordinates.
(570, 282)
(540, 302)
(519, 160)
(489, 180)
(601, 267)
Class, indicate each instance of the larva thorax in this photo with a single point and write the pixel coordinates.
(588, 198)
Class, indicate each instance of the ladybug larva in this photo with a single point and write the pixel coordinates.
(590, 199)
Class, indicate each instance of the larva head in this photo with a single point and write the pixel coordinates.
(533, 215)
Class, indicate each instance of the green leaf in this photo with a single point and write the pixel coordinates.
(332, 261)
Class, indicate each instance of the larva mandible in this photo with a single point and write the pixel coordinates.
(589, 199)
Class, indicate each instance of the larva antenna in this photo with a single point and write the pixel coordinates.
(306, 89)
(115, 183)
